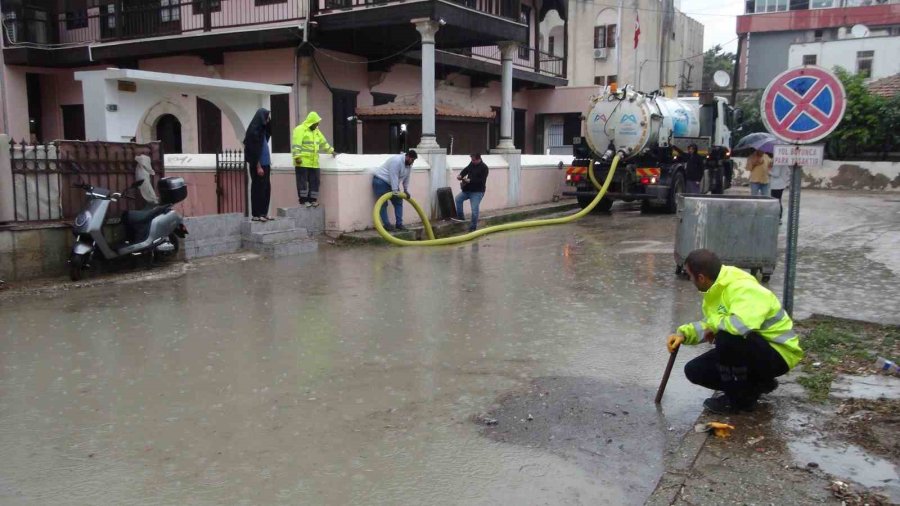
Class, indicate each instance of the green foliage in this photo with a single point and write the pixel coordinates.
(869, 121)
(752, 117)
(713, 60)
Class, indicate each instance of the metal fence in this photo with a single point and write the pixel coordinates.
(44, 175)
(525, 58)
(121, 20)
(231, 182)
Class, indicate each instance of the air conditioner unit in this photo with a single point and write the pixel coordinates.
(599, 53)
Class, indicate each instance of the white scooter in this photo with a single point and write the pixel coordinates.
(153, 231)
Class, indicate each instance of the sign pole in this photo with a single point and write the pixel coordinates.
(790, 254)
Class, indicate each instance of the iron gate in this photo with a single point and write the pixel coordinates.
(231, 182)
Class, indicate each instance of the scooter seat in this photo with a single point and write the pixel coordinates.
(143, 216)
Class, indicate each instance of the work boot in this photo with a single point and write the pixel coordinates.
(767, 386)
(401, 227)
(389, 227)
(308, 204)
(722, 405)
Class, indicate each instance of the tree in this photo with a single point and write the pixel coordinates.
(714, 60)
(868, 124)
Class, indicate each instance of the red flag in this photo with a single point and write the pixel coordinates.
(637, 29)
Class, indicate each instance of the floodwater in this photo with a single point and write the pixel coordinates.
(365, 375)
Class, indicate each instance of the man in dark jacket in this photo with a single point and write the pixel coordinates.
(693, 169)
(473, 178)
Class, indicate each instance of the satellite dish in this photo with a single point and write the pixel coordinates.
(721, 78)
(859, 31)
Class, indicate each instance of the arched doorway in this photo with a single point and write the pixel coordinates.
(168, 132)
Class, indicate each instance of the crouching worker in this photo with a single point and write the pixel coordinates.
(753, 336)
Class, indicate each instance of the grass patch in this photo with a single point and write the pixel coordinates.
(835, 346)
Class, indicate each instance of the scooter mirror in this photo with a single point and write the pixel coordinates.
(136, 184)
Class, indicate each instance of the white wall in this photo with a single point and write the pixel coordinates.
(843, 53)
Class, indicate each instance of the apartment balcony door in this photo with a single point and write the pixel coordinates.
(139, 18)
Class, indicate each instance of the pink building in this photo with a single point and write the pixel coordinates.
(385, 75)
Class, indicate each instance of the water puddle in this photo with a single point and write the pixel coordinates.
(848, 461)
(866, 387)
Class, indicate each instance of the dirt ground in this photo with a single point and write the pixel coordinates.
(832, 440)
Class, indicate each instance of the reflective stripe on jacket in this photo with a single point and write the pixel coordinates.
(738, 304)
(306, 144)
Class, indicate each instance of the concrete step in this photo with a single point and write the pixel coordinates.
(287, 248)
(277, 225)
(276, 236)
(310, 218)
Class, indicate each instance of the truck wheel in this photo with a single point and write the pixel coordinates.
(584, 201)
(676, 190)
(604, 205)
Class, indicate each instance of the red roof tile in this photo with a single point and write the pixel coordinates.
(886, 86)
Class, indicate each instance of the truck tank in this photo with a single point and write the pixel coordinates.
(634, 121)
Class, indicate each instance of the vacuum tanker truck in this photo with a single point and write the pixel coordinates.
(652, 133)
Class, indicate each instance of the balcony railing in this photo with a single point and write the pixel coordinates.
(525, 58)
(503, 8)
(125, 19)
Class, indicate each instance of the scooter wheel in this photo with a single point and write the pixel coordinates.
(76, 267)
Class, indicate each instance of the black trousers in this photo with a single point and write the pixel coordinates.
(260, 191)
(307, 184)
(738, 366)
(777, 194)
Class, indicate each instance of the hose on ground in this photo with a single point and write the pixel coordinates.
(429, 232)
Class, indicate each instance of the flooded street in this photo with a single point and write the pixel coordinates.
(372, 375)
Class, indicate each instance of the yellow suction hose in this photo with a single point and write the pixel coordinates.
(431, 241)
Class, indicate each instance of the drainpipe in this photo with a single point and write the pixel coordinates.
(3, 85)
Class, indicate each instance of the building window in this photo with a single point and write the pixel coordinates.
(809, 59)
(613, 79)
(599, 81)
(76, 19)
(525, 19)
(551, 45)
(770, 5)
(214, 6)
(818, 35)
(109, 12)
(604, 36)
(864, 63)
(169, 10)
(821, 4)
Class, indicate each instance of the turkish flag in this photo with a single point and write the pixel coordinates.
(637, 29)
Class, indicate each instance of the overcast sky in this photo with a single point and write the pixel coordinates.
(718, 18)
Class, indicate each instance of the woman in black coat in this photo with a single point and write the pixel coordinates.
(259, 160)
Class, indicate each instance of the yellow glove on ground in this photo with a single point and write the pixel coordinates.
(674, 341)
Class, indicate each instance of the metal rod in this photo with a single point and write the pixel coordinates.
(790, 254)
(665, 378)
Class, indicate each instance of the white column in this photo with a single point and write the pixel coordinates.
(7, 210)
(427, 28)
(507, 50)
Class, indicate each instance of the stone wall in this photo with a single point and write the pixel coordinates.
(842, 175)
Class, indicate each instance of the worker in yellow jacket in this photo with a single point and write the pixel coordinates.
(307, 142)
(753, 336)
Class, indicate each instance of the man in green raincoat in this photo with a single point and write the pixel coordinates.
(306, 144)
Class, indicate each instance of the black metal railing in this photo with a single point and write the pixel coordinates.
(525, 58)
(503, 8)
(124, 19)
(44, 175)
(231, 182)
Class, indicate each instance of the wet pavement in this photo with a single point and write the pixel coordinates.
(369, 375)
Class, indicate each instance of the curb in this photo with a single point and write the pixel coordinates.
(448, 228)
(669, 486)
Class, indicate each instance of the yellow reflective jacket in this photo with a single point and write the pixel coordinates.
(738, 304)
(306, 144)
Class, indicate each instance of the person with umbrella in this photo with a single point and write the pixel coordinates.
(759, 164)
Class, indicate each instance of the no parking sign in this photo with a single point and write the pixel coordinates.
(803, 105)
(800, 106)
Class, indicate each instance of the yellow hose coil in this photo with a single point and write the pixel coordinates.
(431, 241)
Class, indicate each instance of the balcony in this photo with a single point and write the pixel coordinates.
(377, 27)
(153, 27)
(531, 68)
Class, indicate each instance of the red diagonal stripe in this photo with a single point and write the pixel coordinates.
(802, 104)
